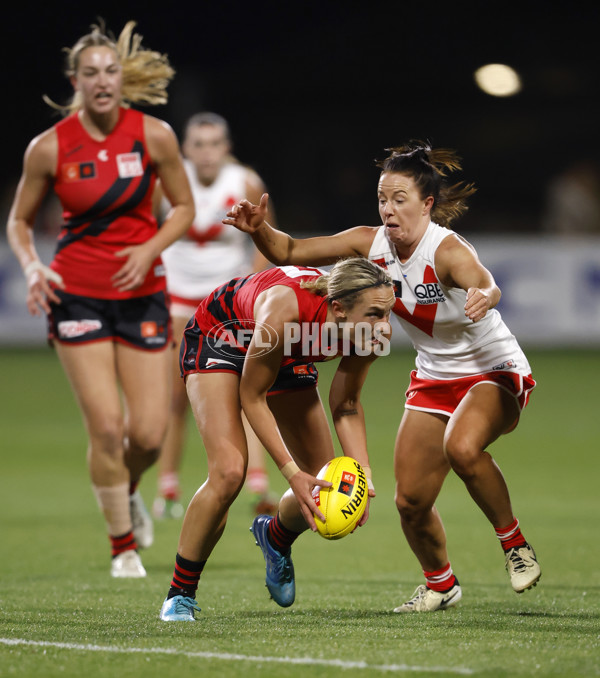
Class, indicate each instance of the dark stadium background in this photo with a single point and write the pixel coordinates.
(314, 92)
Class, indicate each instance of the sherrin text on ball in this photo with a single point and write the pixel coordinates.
(344, 503)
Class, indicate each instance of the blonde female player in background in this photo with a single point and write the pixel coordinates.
(105, 290)
(472, 378)
(206, 256)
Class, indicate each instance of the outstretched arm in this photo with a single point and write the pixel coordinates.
(281, 249)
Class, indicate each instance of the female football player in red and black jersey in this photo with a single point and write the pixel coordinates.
(104, 291)
(252, 344)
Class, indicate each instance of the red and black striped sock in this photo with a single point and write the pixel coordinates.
(124, 542)
(510, 537)
(440, 580)
(185, 577)
(279, 536)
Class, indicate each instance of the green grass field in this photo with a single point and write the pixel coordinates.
(61, 614)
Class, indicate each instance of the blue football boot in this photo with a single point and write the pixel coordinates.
(179, 608)
(280, 569)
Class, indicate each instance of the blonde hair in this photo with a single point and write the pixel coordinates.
(347, 279)
(429, 169)
(145, 73)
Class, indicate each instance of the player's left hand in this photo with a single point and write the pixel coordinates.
(133, 272)
(365, 515)
(477, 305)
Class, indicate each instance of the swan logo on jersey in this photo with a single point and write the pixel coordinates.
(77, 171)
(384, 263)
(429, 293)
(129, 165)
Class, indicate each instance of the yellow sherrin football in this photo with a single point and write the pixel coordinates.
(344, 503)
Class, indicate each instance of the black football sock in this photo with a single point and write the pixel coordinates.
(185, 577)
(123, 542)
(279, 536)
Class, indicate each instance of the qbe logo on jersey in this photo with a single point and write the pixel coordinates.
(129, 165)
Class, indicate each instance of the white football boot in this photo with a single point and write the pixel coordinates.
(522, 567)
(427, 600)
(127, 565)
(143, 528)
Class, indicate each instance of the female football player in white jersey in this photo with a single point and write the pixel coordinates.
(208, 255)
(471, 380)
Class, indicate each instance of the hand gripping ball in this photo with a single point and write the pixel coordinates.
(344, 503)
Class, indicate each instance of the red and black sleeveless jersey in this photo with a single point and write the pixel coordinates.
(231, 308)
(105, 188)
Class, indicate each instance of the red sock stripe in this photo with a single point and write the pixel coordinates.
(183, 581)
(124, 542)
(276, 529)
(505, 531)
(186, 573)
(184, 578)
(188, 584)
(443, 572)
(440, 580)
(510, 536)
(280, 536)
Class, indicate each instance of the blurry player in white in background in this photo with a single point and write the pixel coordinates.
(208, 255)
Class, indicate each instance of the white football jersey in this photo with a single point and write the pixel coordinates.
(448, 344)
(211, 253)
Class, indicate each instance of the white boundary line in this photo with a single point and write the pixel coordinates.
(226, 656)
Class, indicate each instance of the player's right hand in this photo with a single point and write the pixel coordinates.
(246, 216)
(302, 485)
(39, 292)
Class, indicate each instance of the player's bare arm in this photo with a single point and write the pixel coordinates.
(274, 308)
(281, 249)
(38, 171)
(458, 265)
(348, 414)
(346, 408)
